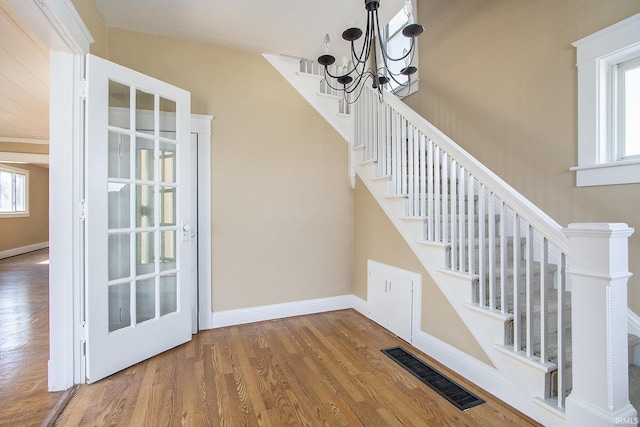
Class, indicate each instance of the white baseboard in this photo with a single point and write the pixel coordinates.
(360, 305)
(23, 250)
(241, 316)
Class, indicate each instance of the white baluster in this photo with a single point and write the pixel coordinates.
(471, 214)
(410, 167)
(423, 178)
(529, 290)
(462, 242)
(453, 197)
(562, 324)
(416, 172)
(544, 303)
(517, 312)
(431, 195)
(445, 197)
(503, 258)
(437, 215)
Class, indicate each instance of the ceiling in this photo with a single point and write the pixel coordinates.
(24, 81)
(288, 27)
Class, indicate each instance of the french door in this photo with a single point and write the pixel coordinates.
(137, 192)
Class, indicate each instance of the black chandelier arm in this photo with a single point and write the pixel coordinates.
(383, 46)
(366, 74)
(394, 75)
(353, 101)
(350, 87)
(366, 45)
(405, 86)
(369, 74)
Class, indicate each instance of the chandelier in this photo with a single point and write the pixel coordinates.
(351, 75)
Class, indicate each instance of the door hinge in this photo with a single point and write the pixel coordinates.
(82, 333)
(83, 89)
(83, 210)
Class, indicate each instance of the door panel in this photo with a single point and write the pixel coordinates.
(139, 279)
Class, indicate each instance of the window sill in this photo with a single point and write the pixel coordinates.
(14, 215)
(623, 172)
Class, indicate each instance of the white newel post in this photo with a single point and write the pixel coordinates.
(599, 271)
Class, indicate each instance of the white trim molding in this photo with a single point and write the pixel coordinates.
(241, 316)
(11, 157)
(56, 22)
(201, 126)
(597, 59)
(23, 250)
(24, 140)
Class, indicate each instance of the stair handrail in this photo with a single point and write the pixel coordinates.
(530, 212)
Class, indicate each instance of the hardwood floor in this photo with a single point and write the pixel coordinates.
(322, 369)
(24, 340)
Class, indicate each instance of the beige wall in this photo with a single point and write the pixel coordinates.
(376, 238)
(282, 205)
(94, 22)
(499, 78)
(19, 232)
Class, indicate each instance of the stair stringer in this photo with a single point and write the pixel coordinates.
(527, 378)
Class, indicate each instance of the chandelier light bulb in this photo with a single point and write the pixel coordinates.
(408, 10)
(327, 43)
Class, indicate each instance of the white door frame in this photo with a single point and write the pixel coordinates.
(60, 27)
(201, 126)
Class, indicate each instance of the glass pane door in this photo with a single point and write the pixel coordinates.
(138, 190)
(142, 241)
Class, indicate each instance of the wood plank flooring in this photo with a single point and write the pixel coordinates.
(24, 340)
(318, 370)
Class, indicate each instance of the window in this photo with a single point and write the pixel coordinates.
(14, 194)
(628, 110)
(397, 46)
(609, 105)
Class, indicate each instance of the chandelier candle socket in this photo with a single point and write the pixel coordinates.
(353, 73)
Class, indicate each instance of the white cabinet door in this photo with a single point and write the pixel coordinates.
(390, 299)
(138, 275)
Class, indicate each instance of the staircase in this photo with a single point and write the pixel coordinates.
(499, 260)
(510, 256)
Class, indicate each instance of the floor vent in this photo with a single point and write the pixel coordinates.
(462, 398)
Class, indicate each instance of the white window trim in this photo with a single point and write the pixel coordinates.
(25, 172)
(597, 55)
(415, 82)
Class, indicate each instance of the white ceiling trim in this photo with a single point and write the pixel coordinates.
(24, 140)
(9, 157)
(56, 22)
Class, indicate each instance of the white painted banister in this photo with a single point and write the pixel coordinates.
(514, 250)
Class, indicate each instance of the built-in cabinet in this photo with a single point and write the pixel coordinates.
(391, 298)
